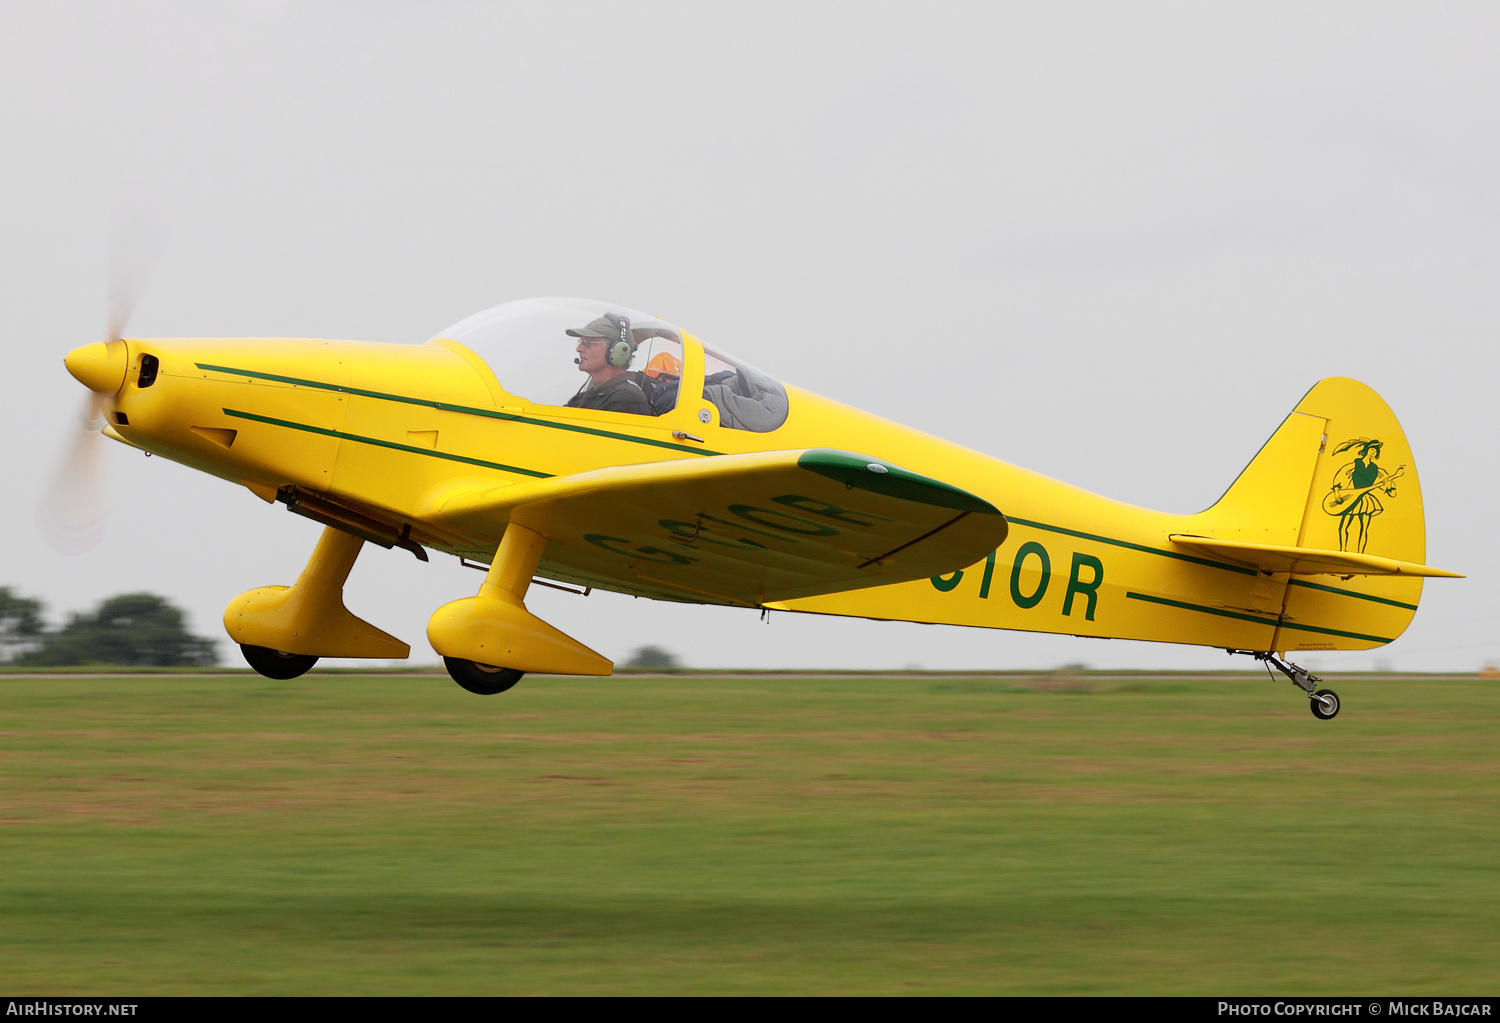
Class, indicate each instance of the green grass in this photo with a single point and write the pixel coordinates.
(1063, 834)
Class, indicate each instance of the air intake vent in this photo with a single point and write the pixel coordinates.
(223, 438)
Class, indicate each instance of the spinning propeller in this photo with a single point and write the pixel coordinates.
(71, 513)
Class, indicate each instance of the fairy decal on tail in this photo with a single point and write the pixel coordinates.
(1355, 495)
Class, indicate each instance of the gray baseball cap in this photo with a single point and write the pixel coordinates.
(611, 325)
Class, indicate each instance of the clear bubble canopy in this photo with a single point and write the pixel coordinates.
(606, 357)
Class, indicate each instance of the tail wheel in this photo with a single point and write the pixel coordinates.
(1324, 704)
(482, 679)
(275, 663)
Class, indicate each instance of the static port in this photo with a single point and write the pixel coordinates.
(149, 366)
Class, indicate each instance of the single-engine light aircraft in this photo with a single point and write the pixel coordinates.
(586, 445)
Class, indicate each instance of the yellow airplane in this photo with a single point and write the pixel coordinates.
(586, 445)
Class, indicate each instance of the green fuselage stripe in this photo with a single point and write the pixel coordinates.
(1205, 561)
(464, 409)
(1351, 593)
(1133, 546)
(1240, 616)
(341, 435)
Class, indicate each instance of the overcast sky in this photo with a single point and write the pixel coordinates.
(1111, 243)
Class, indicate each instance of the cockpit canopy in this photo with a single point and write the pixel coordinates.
(605, 357)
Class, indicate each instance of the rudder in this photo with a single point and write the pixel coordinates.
(1365, 498)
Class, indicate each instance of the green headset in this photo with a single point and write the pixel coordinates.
(619, 353)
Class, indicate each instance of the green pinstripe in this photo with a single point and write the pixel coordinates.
(467, 410)
(1241, 616)
(375, 442)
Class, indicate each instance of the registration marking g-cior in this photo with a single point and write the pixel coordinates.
(686, 533)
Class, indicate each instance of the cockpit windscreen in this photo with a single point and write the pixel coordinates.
(573, 351)
(595, 355)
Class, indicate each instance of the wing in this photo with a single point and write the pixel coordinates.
(1305, 560)
(734, 529)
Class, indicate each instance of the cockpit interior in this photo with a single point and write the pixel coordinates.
(595, 355)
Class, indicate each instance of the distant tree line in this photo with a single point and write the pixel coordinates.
(652, 657)
(139, 629)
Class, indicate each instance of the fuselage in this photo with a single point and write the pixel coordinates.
(367, 431)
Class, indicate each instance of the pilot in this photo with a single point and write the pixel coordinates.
(605, 348)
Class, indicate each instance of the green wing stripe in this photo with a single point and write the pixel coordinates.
(1273, 622)
(341, 435)
(447, 407)
(854, 471)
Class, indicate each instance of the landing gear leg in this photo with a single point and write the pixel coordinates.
(488, 641)
(283, 630)
(1324, 703)
(508, 579)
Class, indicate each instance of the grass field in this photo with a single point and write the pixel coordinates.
(1056, 834)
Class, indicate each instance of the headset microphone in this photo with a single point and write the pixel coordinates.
(578, 362)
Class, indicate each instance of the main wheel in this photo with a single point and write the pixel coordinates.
(275, 664)
(483, 679)
(1325, 704)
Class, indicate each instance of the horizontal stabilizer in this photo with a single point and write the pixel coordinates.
(1305, 560)
(734, 529)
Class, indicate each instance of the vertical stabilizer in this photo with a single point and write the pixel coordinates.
(1337, 475)
(1268, 502)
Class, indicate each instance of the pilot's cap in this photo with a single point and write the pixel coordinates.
(611, 325)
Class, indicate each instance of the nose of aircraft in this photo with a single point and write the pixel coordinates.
(100, 366)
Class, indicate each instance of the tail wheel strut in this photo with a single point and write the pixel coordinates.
(1324, 703)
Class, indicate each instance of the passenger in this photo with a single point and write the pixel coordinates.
(664, 366)
(605, 348)
(660, 381)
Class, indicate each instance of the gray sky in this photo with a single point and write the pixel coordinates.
(1111, 243)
